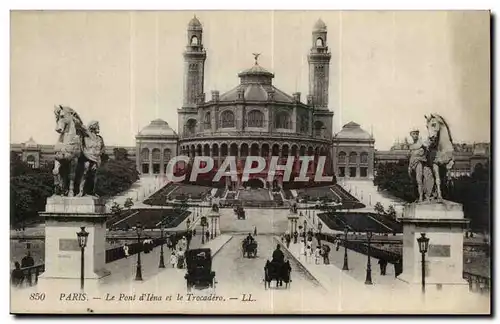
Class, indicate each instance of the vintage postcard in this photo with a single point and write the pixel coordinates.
(250, 162)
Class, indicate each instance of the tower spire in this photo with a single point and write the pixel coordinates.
(319, 66)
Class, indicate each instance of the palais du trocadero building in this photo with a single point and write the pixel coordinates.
(254, 118)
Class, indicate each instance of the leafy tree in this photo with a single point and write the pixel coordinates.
(115, 176)
(473, 191)
(128, 203)
(394, 178)
(120, 154)
(391, 212)
(379, 208)
(116, 208)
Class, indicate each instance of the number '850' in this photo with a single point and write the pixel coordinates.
(37, 296)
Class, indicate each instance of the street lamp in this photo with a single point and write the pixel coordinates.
(212, 228)
(138, 274)
(203, 224)
(305, 232)
(82, 242)
(162, 260)
(423, 246)
(346, 265)
(368, 280)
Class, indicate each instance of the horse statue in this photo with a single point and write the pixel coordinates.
(440, 149)
(76, 153)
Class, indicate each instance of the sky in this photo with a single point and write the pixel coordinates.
(125, 68)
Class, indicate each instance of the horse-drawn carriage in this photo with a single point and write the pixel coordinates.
(278, 271)
(199, 269)
(249, 248)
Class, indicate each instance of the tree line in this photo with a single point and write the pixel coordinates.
(472, 191)
(30, 188)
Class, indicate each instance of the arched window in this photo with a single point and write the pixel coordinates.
(194, 40)
(208, 120)
(318, 128)
(364, 157)
(342, 156)
(156, 154)
(255, 118)
(319, 42)
(191, 127)
(30, 159)
(353, 157)
(227, 119)
(145, 154)
(282, 120)
(167, 155)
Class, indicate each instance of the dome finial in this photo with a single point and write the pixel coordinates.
(256, 57)
(319, 25)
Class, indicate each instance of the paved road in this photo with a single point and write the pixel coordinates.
(267, 221)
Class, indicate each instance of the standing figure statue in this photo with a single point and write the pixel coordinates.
(93, 149)
(419, 163)
(431, 159)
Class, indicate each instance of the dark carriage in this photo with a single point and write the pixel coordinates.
(249, 248)
(278, 271)
(199, 269)
(240, 212)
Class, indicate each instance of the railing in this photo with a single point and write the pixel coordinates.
(290, 136)
(477, 283)
(256, 203)
(29, 276)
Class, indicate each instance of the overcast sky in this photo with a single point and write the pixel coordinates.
(125, 69)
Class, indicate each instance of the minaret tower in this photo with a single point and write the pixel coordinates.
(319, 67)
(194, 64)
(194, 75)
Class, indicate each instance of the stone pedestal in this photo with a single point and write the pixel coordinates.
(444, 225)
(214, 223)
(63, 218)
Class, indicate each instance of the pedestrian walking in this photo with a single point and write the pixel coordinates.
(125, 251)
(17, 276)
(207, 235)
(317, 254)
(27, 261)
(173, 259)
(302, 249)
(309, 252)
(383, 266)
(326, 254)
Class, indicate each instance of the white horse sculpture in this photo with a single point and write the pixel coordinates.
(441, 149)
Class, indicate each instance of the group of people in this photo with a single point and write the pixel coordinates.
(319, 254)
(17, 275)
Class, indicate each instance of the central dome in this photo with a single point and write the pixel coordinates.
(256, 84)
(158, 127)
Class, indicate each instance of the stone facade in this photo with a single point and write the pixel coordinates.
(156, 144)
(354, 152)
(255, 118)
